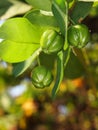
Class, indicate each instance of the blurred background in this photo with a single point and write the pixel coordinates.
(75, 107)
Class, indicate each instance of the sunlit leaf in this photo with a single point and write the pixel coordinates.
(11, 51)
(19, 30)
(21, 39)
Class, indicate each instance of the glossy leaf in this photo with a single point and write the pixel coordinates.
(59, 15)
(21, 39)
(62, 61)
(59, 75)
(80, 11)
(19, 30)
(61, 4)
(42, 19)
(40, 4)
(60, 11)
(11, 51)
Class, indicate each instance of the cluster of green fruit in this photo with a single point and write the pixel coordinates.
(52, 42)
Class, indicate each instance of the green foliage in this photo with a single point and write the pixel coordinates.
(74, 68)
(60, 72)
(59, 9)
(41, 19)
(81, 10)
(21, 36)
(48, 60)
(46, 5)
(24, 31)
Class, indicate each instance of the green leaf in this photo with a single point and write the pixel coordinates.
(62, 61)
(40, 4)
(19, 30)
(48, 60)
(60, 71)
(73, 68)
(80, 11)
(20, 39)
(59, 15)
(11, 51)
(19, 68)
(60, 11)
(41, 19)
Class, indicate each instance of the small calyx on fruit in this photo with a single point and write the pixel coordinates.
(51, 41)
(41, 77)
(78, 35)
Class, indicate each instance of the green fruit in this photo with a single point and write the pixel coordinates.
(41, 77)
(51, 41)
(78, 35)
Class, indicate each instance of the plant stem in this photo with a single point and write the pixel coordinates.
(66, 26)
(72, 21)
(67, 58)
(38, 60)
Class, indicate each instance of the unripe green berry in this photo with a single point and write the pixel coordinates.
(41, 77)
(51, 41)
(78, 35)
